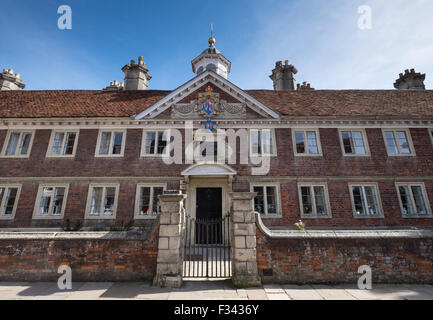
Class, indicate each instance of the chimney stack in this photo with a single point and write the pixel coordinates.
(114, 86)
(136, 75)
(410, 80)
(9, 81)
(283, 76)
(304, 87)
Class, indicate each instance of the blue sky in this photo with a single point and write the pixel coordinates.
(321, 38)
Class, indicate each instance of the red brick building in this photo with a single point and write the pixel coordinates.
(337, 158)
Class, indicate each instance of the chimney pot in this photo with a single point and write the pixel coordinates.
(401, 75)
(406, 71)
(412, 70)
(11, 71)
(286, 62)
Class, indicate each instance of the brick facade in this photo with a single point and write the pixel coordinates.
(286, 169)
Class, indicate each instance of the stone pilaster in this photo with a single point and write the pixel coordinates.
(170, 255)
(244, 256)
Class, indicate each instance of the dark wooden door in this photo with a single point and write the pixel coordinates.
(209, 203)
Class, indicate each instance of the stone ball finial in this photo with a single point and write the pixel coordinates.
(11, 71)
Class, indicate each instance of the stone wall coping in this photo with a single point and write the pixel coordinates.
(342, 234)
(243, 195)
(172, 197)
(93, 235)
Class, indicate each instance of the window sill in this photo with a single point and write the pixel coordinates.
(308, 155)
(427, 216)
(61, 156)
(9, 217)
(48, 217)
(270, 216)
(368, 217)
(16, 157)
(109, 156)
(137, 217)
(315, 217)
(88, 217)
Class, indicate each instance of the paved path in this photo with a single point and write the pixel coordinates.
(211, 290)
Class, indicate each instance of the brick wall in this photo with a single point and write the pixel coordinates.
(285, 169)
(336, 260)
(37, 258)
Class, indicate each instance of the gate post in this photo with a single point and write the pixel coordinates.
(243, 240)
(170, 255)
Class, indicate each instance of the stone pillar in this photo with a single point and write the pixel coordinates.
(170, 248)
(243, 241)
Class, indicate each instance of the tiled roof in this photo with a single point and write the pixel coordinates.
(95, 103)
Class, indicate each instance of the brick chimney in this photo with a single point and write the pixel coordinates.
(9, 81)
(283, 76)
(410, 80)
(304, 87)
(114, 86)
(136, 75)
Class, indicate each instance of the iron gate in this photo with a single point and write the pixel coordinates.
(207, 248)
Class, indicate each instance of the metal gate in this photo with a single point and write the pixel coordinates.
(207, 248)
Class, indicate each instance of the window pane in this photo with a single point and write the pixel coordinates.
(319, 193)
(109, 201)
(95, 207)
(58, 201)
(105, 142)
(259, 205)
(150, 142)
(271, 195)
(57, 143)
(347, 141)
(300, 144)
(267, 142)
(155, 204)
(419, 200)
(312, 142)
(358, 199)
(403, 142)
(358, 142)
(69, 143)
(371, 201)
(162, 143)
(25, 143)
(13, 143)
(306, 200)
(10, 201)
(144, 201)
(117, 145)
(405, 200)
(390, 142)
(47, 194)
(256, 142)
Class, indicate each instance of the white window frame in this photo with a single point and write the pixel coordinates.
(307, 152)
(3, 201)
(274, 144)
(50, 145)
(138, 195)
(143, 144)
(6, 142)
(409, 141)
(314, 215)
(98, 143)
(265, 184)
(375, 185)
(36, 216)
(364, 139)
(101, 216)
(425, 195)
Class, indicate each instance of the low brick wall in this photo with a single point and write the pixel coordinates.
(95, 256)
(292, 256)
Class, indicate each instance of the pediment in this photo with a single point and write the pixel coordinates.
(186, 101)
(209, 169)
